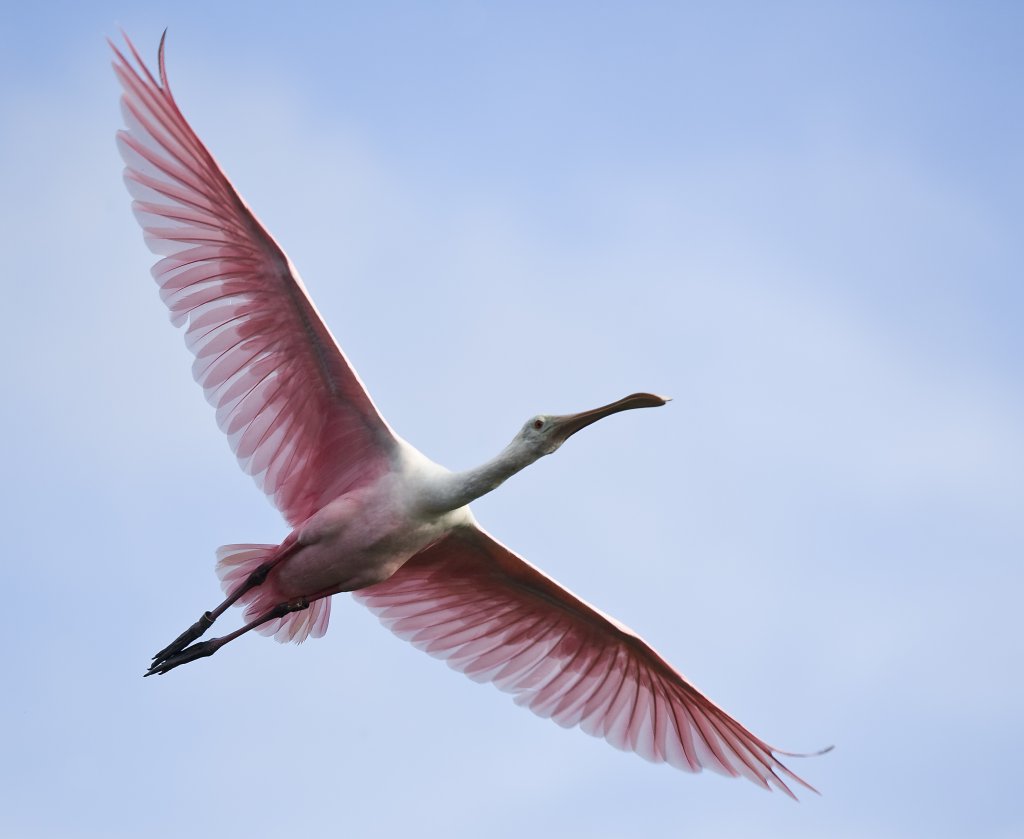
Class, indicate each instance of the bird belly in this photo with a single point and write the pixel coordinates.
(352, 545)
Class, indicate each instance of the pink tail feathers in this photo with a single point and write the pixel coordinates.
(234, 565)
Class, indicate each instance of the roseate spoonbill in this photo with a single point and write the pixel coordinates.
(370, 514)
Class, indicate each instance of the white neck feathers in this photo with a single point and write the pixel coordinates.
(451, 490)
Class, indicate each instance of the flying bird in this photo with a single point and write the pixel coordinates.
(370, 514)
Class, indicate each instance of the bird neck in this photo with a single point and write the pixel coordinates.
(457, 489)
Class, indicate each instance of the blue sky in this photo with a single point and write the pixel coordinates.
(803, 222)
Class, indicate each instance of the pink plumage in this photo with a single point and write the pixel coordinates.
(295, 413)
(370, 514)
(234, 565)
(496, 618)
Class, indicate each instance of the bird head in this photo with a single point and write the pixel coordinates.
(544, 433)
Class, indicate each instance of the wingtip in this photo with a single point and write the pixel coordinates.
(138, 58)
(818, 753)
(790, 774)
(160, 59)
(116, 49)
(124, 37)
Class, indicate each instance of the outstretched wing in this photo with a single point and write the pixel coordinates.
(496, 618)
(294, 410)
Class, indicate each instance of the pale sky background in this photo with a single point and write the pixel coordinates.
(801, 220)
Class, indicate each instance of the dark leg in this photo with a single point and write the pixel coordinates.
(208, 648)
(197, 629)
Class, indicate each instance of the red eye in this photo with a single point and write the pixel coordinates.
(538, 424)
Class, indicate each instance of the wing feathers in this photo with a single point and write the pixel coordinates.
(295, 413)
(489, 614)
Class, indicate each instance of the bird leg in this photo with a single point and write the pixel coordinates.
(256, 578)
(208, 648)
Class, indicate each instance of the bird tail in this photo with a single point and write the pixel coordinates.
(234, 565)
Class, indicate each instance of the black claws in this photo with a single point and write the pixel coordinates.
(183, 640)
(178, 652)
(163, 664)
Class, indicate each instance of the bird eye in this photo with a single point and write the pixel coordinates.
(538, 423)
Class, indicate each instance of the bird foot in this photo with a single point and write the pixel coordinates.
(177, 653)
(182, 641)
(196, 651)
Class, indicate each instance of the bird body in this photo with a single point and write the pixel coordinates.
(364, 536)
(369, 513)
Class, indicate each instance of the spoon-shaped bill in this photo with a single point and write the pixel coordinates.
(566, 426)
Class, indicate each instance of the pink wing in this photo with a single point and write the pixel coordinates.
(496, 618)
(296, 414)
